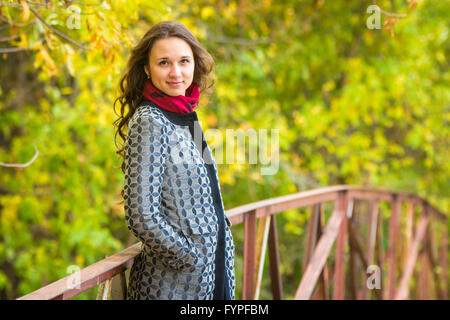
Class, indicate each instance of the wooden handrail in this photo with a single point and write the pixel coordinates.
(87, 278)
(310, 197)
(343, 197)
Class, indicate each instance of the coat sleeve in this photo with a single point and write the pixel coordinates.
(145, 155)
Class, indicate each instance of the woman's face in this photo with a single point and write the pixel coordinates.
(171, 63)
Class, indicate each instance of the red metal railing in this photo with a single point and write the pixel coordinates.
(411, 244)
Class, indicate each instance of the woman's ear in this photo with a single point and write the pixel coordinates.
(147, 72)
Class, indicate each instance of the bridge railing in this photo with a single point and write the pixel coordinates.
(411, 243)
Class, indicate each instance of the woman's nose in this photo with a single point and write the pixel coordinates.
(175, 71)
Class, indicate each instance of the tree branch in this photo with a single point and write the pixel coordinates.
(397, 15)
(11, 50)
(5, 39)
(13, 23)
(59, 33)
(25, 164)
(37, 3)
(79, 2)
(240, 41)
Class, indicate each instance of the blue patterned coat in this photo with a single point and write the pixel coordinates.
(173, 205)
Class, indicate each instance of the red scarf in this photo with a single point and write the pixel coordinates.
(178, 104)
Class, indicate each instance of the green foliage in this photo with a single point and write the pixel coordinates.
(352, 105)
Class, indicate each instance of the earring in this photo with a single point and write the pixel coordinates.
(148, 76)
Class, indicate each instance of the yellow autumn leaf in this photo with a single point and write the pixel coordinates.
(211, 119)
(230, 11)
(25, 11)
(367, 118)
(292, 188)
(278, 80)
(23, 40)
(256, 177)
(67, 90)
(79, 260)
(299, 119)
(252, 92)
(69, 50)
(47, 58)
(328, 86)
(226, 177)
(69, 65)
(207, 12)
(9, 210)
(264, 28)
(316, 110)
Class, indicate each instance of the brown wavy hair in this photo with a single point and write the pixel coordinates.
(132, 82)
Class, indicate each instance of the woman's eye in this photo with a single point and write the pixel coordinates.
(186, 60)
(161, 63)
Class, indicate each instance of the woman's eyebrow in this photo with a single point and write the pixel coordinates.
(180, 57)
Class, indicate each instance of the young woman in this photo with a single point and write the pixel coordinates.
(172, 198)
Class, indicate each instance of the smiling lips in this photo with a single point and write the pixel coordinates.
(175, 84)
